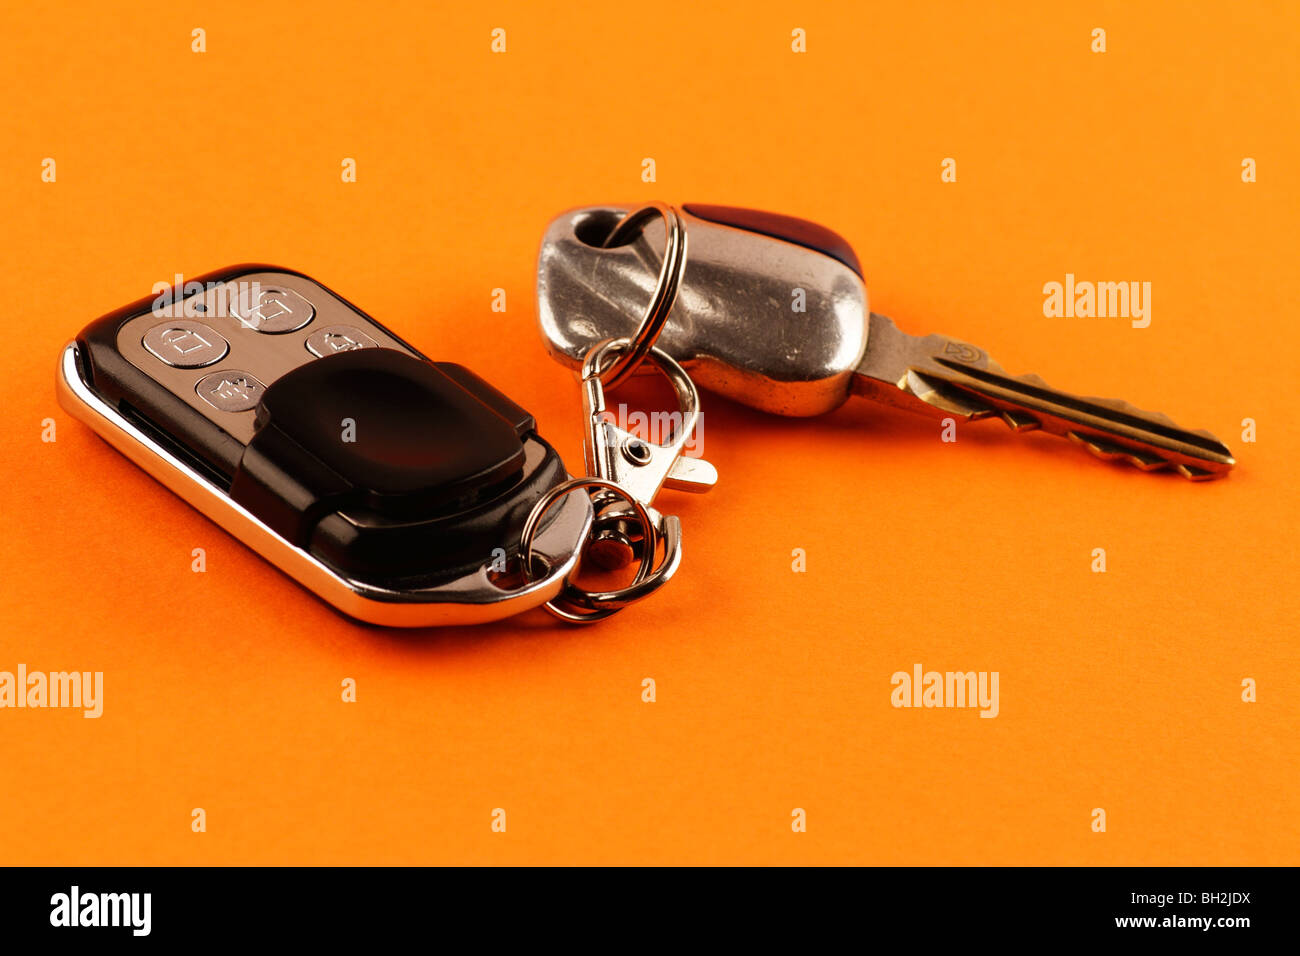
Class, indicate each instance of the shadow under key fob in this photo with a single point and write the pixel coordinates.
(393, 487)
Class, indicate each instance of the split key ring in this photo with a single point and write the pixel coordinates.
(665, 295)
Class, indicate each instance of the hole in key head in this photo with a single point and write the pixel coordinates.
(594, 227)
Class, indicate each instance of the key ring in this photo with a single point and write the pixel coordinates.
(586, 607)
(632, 470)
(665, 294)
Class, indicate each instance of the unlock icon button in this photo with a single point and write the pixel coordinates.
(185, 344)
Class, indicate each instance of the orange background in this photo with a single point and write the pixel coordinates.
(1118, 690)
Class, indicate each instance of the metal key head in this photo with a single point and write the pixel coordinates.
(771, 311)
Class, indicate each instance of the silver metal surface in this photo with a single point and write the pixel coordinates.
(665, 293)
(231, 390)
(472, 599)
(272, 309)
(596, 606)
(940, 376)
(631, 476)
(644, 474)
(182, 343)
(735, 330)
(733, 327)
(338, 338)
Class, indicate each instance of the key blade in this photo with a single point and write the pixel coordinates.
(1109, 428)
(943, 377)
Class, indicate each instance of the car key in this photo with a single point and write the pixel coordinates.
(733, 328)
(393, 487)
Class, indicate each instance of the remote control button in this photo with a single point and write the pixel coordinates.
(272, 309)
(338, 338)
(186, 344)
(230, 390)
(375, 429)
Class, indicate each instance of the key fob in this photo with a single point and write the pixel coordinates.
(771, 310)
(393, 487)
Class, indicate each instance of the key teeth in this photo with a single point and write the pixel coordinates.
(949, 379)
(1020, 421)
(1119, 405)
(1146, 461)
(1114, 404)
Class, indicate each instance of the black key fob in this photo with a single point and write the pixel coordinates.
(393, 487)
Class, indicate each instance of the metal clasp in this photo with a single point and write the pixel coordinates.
(639, 466)
(627, 470)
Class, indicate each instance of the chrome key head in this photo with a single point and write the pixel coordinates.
(771, 311)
